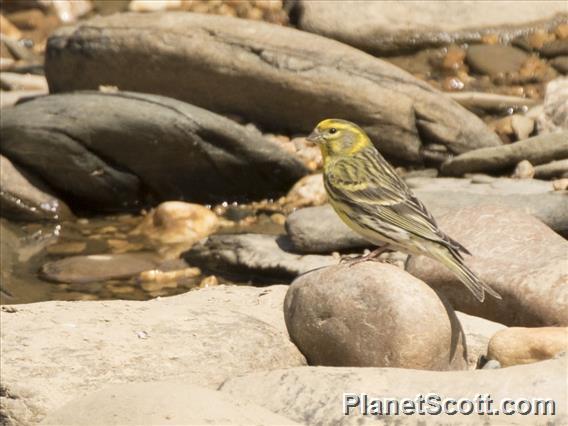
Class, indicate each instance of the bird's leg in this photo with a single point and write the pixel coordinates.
(369, 256)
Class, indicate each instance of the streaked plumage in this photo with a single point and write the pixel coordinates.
(375, 202)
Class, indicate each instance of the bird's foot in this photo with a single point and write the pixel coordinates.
(373, 256)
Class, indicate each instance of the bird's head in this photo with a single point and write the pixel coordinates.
(337, 137)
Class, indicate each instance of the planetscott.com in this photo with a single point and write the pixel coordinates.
(433, 404)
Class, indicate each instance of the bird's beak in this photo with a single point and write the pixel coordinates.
(315, 137)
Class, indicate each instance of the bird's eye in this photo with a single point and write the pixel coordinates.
(333, 130)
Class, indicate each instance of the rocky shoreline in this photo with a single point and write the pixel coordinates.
(168, 255)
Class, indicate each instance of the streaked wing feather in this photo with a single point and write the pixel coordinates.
(386, 196)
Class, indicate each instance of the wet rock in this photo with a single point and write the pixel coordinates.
(513, 127)
(321, 388)
(491, 102)
(554, 48)
(253, 255)
(560, 64)
(175, 226)
(387, 28)
(320, 230)
(478, 331)
(174, 403)
(517, 345)
(495, 59)
(311, 77)
(173, 149)
(372, 315)
(516, 254)
(219, 332)
(554, 115)
(554, 169)
(538, 150)
(98, 267)
(24, 197)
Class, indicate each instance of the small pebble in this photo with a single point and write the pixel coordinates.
(210, 281)
(491, 365)
(524, 170)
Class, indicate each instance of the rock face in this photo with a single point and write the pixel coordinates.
(320, 230)
(254, 255)
(161, 403)
(517, 255)
(314, 395)
(24, 198)
(112, 150)
(372, 315)
(298, 78)
(478, 332)
(538, 150)
(191, 338)
(519, 345)
(395, 27)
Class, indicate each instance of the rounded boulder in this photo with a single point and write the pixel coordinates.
(372, 315)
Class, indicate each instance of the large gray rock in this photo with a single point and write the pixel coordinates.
(516, 254)
(167, 147)
(23, 197)
(395, 27)
(315, 395)
(279, 77)
(320, 230)
(538, 150)
(161, 403)
(372, 315)
(253, 256)
(53, 352)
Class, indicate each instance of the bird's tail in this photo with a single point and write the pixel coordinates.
(455, 264)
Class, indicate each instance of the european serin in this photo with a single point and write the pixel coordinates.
(375, 202)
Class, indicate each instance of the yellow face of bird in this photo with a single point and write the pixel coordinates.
(337, 137)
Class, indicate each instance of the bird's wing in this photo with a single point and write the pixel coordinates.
(386, 197)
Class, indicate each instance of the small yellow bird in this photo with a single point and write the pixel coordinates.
(375, 202)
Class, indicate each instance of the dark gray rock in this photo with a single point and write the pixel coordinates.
(516, 254)
(538, 150)
(495, 59)
(107, 149)
(98, 267)
(560, 64)
(372, 315)
(25, 198)
(279, 77)
(253, 255)
(390, 28)
(320, 230)
(554, 48)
